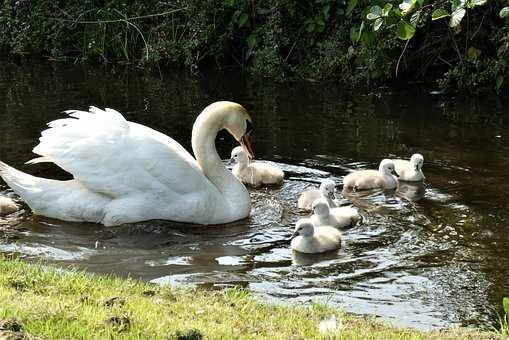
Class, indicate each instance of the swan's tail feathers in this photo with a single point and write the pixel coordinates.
(65, 200)
(27, 186)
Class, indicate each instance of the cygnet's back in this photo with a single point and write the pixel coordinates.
(326, 190)
(373, 179)
(410, 170)
(254, 173)
(7, 206)
(339, 217)
(314, 240)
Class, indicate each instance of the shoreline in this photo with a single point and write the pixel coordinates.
(39, 300)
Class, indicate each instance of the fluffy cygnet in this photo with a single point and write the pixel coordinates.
(326, 190)
(339, 217)
(410, 170)
(7, 206)
(254, 173)
(313, 240)
(384, 178)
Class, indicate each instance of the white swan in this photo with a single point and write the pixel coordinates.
(7, 206)
(384, 178)
(125, 172)
(410, 170)
(326, 190)
(254, 173)
(339, 217)
(313, 240)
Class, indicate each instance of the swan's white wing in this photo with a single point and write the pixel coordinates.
(112, 156)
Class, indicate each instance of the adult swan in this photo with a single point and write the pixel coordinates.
(125, 172)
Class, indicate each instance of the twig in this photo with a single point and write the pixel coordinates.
(478, 28)
(127, 21)
(118, 20)
(294, 43)
(455, 45)
(401, 56)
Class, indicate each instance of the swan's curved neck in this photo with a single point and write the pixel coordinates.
(205, 130)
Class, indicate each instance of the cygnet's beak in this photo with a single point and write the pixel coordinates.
(294, 235)
(332, 195)
(394, 173)
(231, 161)
(416, 166)
(245, 141)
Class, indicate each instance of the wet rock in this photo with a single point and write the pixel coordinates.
(10, 329)
(189, 334)
(10, 324)
(120, 323)
(9, 335)
(114, 301)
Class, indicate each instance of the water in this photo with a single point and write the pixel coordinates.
(426, 257)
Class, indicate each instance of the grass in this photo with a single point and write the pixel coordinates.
(38, 301)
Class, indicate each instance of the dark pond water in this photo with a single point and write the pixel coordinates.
(424, 263)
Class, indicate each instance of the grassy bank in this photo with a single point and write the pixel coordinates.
(40, 301)
(455, 45)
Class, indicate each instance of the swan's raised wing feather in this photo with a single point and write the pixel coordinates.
(112, 156)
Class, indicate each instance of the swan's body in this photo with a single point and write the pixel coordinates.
(254, 173)
(313, 240)
(339, 217)
(326, 190)
(383, 178)
(7, 206)
(411, 170)
(125, 172)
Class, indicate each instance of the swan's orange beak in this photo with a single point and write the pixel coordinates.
(245, 141)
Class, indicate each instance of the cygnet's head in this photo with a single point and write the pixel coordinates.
(304, 227)
(239, 155)
(417, 161)
(321, 207)
(387, 167)
(327, 188)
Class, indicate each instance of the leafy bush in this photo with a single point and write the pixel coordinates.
(460, 45)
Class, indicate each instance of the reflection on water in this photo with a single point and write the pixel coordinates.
(424, 256)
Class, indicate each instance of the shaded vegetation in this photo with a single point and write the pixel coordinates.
(460, 45)
(39, 301)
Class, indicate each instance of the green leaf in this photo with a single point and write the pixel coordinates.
(504, 12)
(473, 3)
(229, 3)
(377, 24)
(252, 41)
(320, 25)
(457, 4)
(414, 20)
(374, 13)
(405, 31)
(351, 6)
(326, 11)
(387, 8)
(457, 16)
(367, 38)
(505, 301)
(355, 33)
(243, 19)
(439, 14)
(473, 53)
(407, 6)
